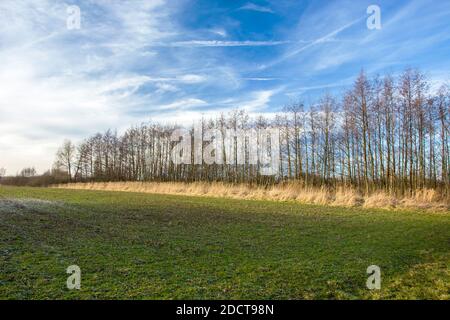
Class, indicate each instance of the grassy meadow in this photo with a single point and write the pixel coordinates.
(153, 246)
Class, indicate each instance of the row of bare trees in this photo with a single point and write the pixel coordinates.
(384, 133)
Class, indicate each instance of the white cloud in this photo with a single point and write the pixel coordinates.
(260, 79)
(259, 101)
(165, 87)
(221, 43)
(123, 83)
(320, 40)
(38, 113)
(219, 31)
(192, 78)
(183, 111)
(254, 7)
(183, 104)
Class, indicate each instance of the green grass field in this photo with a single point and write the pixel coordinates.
(141, 246)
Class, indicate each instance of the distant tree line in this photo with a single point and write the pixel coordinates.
(385, 133)
(29, 177)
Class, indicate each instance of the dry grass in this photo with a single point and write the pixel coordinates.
(345, 197)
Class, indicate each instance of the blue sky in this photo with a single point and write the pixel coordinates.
(174, 61)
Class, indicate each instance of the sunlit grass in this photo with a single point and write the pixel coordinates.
(145, 246)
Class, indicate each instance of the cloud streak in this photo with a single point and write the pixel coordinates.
(254, 7)
(221, 43)
(320, 40)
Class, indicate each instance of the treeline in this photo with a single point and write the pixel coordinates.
(29, 177)
(385, 133)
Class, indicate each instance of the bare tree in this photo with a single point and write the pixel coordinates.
(28, 172)
(65, 157)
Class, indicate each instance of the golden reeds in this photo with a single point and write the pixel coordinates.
(345, 197)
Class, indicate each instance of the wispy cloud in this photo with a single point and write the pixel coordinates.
(320, 40)
(183, 104)
(221, 43)
(219, 31)
(254, 7)
(260, 79)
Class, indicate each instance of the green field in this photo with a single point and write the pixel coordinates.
(141, 246)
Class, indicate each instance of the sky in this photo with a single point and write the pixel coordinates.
(177, 60)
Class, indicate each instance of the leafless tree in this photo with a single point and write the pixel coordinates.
(65, 157)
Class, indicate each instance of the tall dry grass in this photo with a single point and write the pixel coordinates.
(345, 197)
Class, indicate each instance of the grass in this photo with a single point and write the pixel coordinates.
(144, 246)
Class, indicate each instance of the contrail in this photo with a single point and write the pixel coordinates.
(313, 43)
